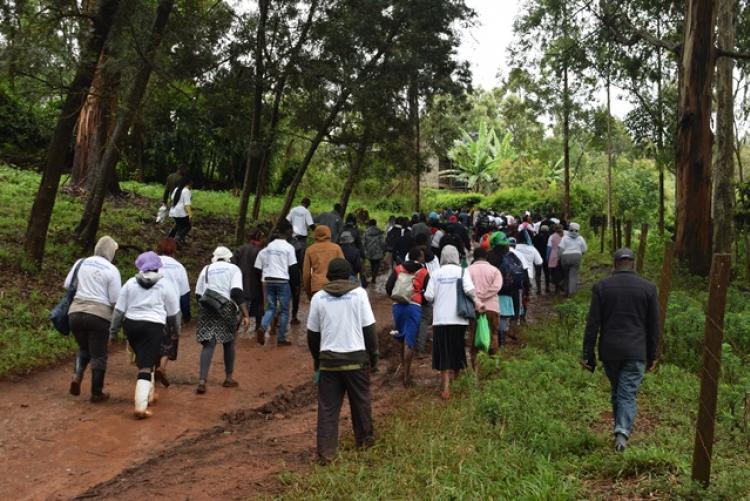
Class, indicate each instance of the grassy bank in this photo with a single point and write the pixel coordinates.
(539, 427)
(26, 338)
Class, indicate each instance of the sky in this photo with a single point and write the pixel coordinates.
(484, 46)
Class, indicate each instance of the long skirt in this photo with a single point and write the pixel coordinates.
(448, 351)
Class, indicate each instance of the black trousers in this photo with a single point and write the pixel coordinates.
(181, 228)
(374, 268)
(331, 389)
(91, 333)
(145, 340)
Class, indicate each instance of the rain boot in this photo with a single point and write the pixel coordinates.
(97, 384)
(79, 369)
(142, 390)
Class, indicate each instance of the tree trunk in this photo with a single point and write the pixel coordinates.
(566, 141)
(660, 131)
(693, 153)
(723, 176)
(94, 124)
(256, 149)
(610, 152)
(314, 143)
(355, 169)
(89, 224)
(413, 97)
(44, 202)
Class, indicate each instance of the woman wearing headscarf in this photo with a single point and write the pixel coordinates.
(175, 272)
(224, 279)
(181, 209)
(146, 305)
(553, 256)
(448, 354)
(98, 286)
(571, 249)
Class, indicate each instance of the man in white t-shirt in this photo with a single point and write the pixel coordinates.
(301, 221)
(344, 346)
(278, 263)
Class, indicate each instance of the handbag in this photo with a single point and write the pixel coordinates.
(210, 299)
(464, 304)
(59, 314)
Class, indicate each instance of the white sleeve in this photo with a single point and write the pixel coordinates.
(365, 311)
(537, 257)
(115, 285)
(235, 281)
(259, 260)
(183, 282)
(468, 284)
(200, 285)
(429, 293)
(584, 247)
(187, 197)
(69, 278)
(308, 219)
(122, 299)
(289, 216)
(291, 256)
(171, 301)
(313, 318)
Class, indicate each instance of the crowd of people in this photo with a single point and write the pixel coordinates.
(445, 271)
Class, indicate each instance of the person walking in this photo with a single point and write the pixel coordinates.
(252, 286)
(317, 258)
(302, 221)
(553, 256)
(278, 264)
(176, 273)
(374, 248)
(488, 281)
(146, 305)
(515, 279)
(353, 255)
(181, 209)
(406, 286)
(343, 343)
(448, 353)
(333, 221)
(221, 283)
(98, 285)
(571, 249)
(540, 244)
(623, 323)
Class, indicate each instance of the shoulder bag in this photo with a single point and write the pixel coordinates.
(211, 299)
(59, 314)
(464, 304)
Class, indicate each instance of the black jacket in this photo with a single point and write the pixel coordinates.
(624, 316)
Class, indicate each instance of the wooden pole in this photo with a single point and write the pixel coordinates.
(665, 284)
(614, 234)
(619, 234)
(713, 335)
(604, 236)
(642, 248)
(628, 233)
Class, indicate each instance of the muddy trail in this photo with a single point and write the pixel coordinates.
(231, 443)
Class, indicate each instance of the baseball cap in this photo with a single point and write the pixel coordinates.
(624, 253)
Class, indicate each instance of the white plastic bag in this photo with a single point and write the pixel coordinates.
(161, 214)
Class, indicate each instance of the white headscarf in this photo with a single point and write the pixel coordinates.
(106, 248)
(449, 255)
(221, 254)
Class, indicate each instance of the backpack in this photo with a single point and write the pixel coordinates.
(513, 272)
(403, 289)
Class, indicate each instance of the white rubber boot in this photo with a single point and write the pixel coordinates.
(142, 390)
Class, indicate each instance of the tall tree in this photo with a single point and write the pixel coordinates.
(44, 202)
(89, 224)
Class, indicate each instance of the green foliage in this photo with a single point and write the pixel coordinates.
(437, 199)
(478, 160)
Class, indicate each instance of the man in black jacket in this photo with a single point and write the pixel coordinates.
(624, 316)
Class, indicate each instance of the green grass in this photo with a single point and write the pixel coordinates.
(26, 295)
(536, 427)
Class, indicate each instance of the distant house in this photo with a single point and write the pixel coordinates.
(433, 179)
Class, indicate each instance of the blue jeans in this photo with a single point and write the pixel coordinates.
(279, 293)
(625, 376)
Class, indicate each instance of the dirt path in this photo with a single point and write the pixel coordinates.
(228, 443)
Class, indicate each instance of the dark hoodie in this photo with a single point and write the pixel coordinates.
(333, 360)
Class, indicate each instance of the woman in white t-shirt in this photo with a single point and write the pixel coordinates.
(448, 352)
(146, 305)
(97, 283)
(224, 279)
(176, 273)
(181, 209)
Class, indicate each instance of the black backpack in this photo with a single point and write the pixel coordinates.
(513, 273)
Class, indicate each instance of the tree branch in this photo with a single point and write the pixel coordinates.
(743, 56)
(614, 20)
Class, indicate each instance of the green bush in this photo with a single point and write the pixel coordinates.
(437, 199)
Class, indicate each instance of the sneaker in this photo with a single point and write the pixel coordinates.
(201, 389)
(393, 333)
(101, 397)
(295, 321)
(230, 383)
(284, 343)
(621, 442)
